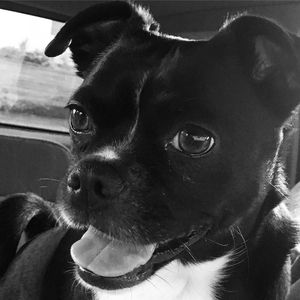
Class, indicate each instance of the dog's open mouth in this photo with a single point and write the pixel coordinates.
(112, 264)
(103, 256)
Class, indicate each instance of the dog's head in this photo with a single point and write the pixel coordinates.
(174, 141)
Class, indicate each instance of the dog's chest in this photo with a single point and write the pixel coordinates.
(176, 282)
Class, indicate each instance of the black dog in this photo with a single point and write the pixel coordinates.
(176, 184)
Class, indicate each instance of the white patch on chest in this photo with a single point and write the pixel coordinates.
(175, 282)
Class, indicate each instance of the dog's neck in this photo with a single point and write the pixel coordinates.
(176, 282)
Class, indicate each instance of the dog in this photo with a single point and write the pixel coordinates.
(176, 189)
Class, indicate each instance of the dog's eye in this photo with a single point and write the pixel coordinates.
(79, 120)
(194, 141)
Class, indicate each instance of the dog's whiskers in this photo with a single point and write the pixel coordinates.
(237, 263)
(285, 197)
(62, 219)
(161, 278)
(231, 230)
(244, 245)
(59, 220)
(239, 252)
(217, 243)
(75, 282)
(188, 250)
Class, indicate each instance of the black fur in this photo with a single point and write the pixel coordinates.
(140, 89)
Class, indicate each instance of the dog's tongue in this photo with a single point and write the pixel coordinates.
(106, 257)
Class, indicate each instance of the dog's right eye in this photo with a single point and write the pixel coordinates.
(79, 120)
(193, 140)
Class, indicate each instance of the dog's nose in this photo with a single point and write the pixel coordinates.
(95, 186)
(73, 181)
(104, 186)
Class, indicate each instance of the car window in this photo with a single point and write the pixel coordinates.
(33, 87)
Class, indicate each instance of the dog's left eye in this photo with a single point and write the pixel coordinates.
(194, 141)
(79, 120)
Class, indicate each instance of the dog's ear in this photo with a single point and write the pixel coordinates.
(270, 57)
(92, 31)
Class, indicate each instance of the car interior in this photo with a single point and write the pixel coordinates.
(34, 140)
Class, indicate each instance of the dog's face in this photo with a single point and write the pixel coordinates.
(174, 141)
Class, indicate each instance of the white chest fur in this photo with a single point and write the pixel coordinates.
(175, 282)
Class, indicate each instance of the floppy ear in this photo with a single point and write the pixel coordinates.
(93, 30)
(270, 56)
